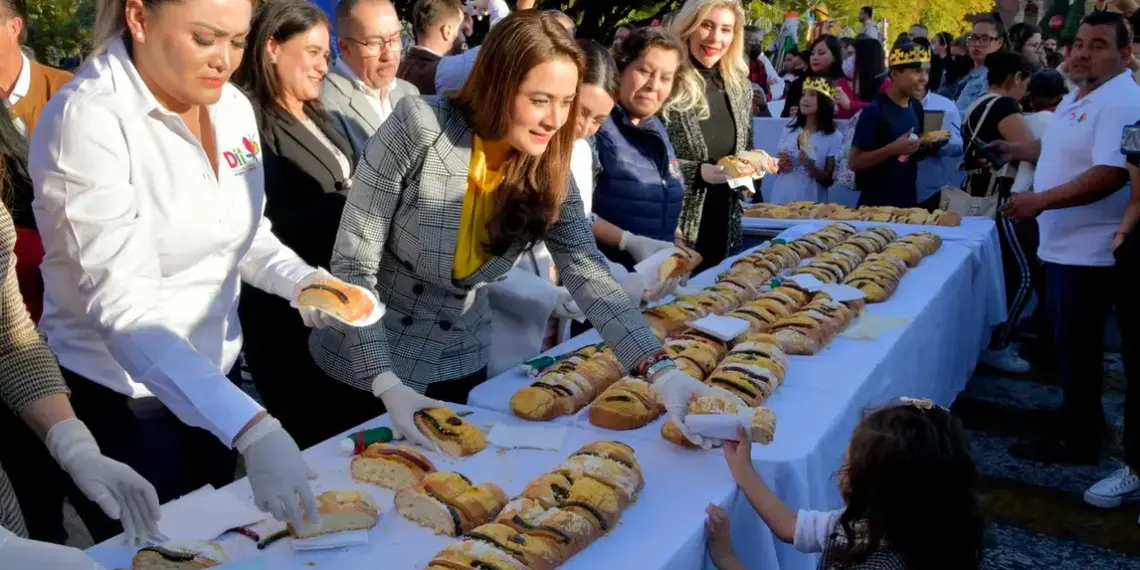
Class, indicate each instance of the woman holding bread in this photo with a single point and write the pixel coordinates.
(149, 198)
(451, 191)
(710, 118)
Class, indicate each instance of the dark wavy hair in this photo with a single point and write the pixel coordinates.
(279, 20)
(870, 67)
(533, 187)
(910, 482)
(832, 44)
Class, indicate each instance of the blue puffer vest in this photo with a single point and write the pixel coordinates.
(639, 188)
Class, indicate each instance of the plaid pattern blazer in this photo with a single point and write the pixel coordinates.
(28, 370)
(397, 237)
(689, 146)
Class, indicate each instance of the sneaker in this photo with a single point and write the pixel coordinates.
(1110, 492)
(1006, 360)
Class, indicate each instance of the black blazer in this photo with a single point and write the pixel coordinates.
(305, 187)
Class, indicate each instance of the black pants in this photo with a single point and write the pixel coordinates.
(1079, 300)
(1020, 265)
(38, 481)
(712, 239)
(1128, 319)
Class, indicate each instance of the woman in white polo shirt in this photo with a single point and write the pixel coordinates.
(149, 197)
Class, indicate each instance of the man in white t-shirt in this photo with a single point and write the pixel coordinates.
(1082, 190)
(867, 17)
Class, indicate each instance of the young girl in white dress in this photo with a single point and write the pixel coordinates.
(808, 148)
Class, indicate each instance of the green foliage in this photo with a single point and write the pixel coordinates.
(59, 28)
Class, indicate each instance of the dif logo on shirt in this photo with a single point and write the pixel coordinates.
(244, 157)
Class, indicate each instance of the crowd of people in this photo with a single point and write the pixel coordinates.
(210, 159)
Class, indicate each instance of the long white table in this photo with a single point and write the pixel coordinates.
(663, 529)
(950, 304)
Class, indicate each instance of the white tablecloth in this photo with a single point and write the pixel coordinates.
(950, 304)
(663, 529)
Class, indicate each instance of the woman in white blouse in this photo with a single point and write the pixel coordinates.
(149, 197)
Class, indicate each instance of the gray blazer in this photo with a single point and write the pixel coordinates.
(397, 236)
(350, 111)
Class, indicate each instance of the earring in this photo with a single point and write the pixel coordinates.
(138, 36)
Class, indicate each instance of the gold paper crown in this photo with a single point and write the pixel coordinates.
(820, 85)
(917, 55)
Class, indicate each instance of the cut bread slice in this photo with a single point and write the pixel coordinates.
(159, 558)
(390, 466)
(341, 511)
(454, 435)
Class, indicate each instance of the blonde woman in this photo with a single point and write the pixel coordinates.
(708, 118)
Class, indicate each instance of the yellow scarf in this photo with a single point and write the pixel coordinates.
(478, 208)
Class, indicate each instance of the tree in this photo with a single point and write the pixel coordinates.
(60, 28)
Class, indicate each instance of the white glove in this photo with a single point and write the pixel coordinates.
(662, 289)
(277, 473)
(713, 174)
(18, 552)
(641, 247)
(566, 308)
(677, 389)
(402, 403)
(122, 493)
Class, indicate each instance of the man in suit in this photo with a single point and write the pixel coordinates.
(361, 90)
(437, 24)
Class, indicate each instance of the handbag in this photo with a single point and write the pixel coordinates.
(956, 199)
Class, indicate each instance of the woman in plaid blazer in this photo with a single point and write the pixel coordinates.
(409, 213)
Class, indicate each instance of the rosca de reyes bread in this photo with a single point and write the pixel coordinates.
(448, 503)
(762, 422)
(454, 435)
(390, 466)
(566, 389)
(336, 297)
(558, 515)
(813, 211)
(683, 260)
(736, 167)
(341, 511)
(628, 404)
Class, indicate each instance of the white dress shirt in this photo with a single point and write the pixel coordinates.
(1082, 134)
(453, 69)
(381, 105)
(940, 170)
(20, 90)
(145, 248)
(870, 29)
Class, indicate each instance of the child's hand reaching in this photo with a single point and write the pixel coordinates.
(738, 455)
(720, 539)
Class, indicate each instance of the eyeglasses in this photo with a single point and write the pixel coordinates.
(376, 45)
(981, 39)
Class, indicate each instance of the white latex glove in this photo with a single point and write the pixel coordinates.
(641, 247)
(677, 389)
(277, 473)
(402, 403)
(714, 174)
(566, 308)
(662, 289)
(122, 493)
(19, 553)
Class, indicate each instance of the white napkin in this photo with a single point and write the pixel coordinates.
(718, 426)
(652, 264)
(205, 514)
(330, 541)
(724, 328)
(835, 291)
(527, 437)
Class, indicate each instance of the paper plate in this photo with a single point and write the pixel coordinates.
(370, 319)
